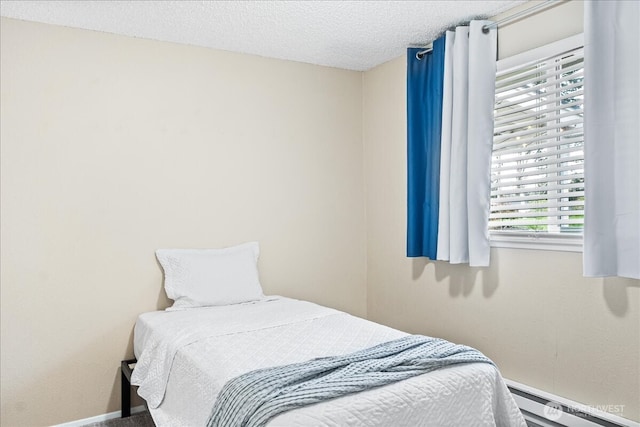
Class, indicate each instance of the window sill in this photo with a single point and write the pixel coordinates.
(564, 243)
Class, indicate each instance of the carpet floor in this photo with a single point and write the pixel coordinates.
(142, 419)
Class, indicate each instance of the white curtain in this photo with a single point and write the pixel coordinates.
(612, 139)
(467, 140)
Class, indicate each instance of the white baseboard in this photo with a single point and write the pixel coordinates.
(100, 418)
(551, 410)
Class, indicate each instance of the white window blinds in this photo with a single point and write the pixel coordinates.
(537, 177)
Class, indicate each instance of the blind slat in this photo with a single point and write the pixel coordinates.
(528, 225)
(539, 142)
(537, 93)
(545, 175)
(539, 82)
(552, 220)
(536, 168)
(549, 117)
(541, 98)
(525, 72)
(524, 182)
(503, 110)
(523, 113)
(515, 190)
(542, 214)
(534, 74)
(499, 201)
(500, 138)
(523, 207)
(578, 52)
(501, 160)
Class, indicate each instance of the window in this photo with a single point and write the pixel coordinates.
(537, 178)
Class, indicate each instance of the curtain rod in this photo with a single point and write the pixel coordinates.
(486, 28)
(521, 14)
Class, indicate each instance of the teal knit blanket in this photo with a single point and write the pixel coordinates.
(252, 399)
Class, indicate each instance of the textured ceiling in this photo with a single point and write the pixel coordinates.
(355, 35)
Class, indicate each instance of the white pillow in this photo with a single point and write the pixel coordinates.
(205, 277)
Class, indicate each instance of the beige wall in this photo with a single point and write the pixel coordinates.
(112, 147)
(532, 311)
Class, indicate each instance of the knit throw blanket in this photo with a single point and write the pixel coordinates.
(252, 399)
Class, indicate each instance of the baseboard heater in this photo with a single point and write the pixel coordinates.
(542, 409)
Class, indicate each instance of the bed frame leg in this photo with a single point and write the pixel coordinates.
(125, 387)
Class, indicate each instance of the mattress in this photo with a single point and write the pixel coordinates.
(186, 357)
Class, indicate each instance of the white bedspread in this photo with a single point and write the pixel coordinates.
(185, 357)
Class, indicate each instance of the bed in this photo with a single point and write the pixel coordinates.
(186, 355)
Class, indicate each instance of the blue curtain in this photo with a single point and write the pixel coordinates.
(424, 127)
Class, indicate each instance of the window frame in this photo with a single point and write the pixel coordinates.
(530, 240)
